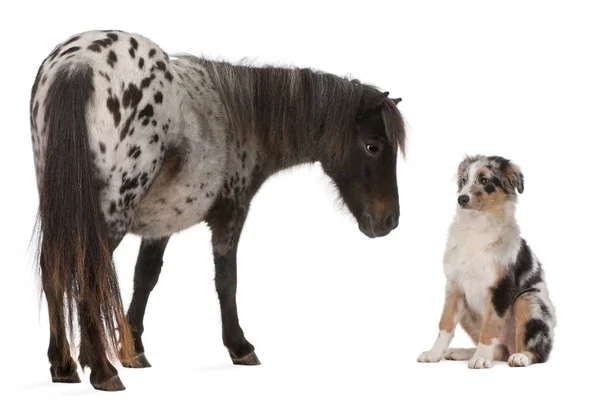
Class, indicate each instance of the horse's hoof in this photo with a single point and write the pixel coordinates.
(64, 376)
(138, 361)
(112, 384)
(249, 360)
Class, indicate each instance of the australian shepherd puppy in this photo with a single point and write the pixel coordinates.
(495, 284)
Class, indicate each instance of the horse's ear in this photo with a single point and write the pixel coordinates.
(397, 100)
(371, 100)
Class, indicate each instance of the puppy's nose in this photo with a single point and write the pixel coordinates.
(463, 200)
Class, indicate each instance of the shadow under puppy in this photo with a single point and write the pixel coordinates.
(495, 284)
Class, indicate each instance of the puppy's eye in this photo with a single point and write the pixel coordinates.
(483, 180)
(463, 181)
(373, 149)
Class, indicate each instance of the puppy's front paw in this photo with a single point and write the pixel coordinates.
(429, 356)
(519, 360)
(480, 362)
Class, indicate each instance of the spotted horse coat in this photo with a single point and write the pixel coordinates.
(146, 109)
(129, 140)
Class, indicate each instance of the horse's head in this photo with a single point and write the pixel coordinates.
(366, 177)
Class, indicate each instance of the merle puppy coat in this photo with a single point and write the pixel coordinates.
(495, 284)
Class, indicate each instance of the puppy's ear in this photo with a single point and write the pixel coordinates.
(514, 177)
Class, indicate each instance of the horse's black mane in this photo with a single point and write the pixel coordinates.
(291, 109)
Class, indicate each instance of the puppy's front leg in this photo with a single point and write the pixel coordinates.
(488, 337)
(453, 309)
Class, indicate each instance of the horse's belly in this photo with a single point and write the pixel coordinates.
(180, 206)
(161, 220)
(184, 190)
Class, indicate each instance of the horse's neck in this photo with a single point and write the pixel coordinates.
(246, 150)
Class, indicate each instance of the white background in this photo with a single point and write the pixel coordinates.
(332, 313)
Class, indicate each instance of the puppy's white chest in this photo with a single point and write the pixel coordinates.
(473, 270)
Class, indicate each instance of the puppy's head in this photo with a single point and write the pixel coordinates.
(487, 183)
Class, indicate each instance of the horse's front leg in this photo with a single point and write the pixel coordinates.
(226, 221)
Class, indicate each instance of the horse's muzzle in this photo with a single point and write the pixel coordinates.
(373, 228)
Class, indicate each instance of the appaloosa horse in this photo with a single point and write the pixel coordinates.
(129, 140)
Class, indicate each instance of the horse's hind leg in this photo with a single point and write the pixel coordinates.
(63, 368)
(147, 271)
(226, 221)
(103, 376)
(92, 351)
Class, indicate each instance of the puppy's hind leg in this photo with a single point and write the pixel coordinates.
(459, 354)
(465, 354)
(533, 334)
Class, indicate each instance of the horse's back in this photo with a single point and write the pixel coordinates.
(139, 114)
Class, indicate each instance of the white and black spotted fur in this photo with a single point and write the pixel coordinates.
(495, 283)
(129, 140)
(138, 105)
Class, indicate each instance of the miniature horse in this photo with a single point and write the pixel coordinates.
(129, 140)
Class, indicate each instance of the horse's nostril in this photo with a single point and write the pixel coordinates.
(391, 221)
(463, 200)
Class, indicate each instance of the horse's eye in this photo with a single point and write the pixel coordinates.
(373, 149)
(483, 180)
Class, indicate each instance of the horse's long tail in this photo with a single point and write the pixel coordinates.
(75, 256)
